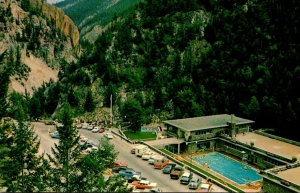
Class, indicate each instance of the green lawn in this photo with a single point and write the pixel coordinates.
(140, 135)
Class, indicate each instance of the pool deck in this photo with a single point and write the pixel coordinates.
(292, 175)
(271, 145)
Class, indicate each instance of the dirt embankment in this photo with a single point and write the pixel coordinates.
(39, 73)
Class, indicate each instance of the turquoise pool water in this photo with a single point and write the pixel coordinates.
(231, 169)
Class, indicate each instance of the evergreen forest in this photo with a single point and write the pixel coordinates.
(169, 59)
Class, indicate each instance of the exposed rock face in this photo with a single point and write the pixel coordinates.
(62, 21)
(33, 46)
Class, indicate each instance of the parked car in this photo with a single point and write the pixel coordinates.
(153, 190)
(90, 127)
(195, 183)
(79, 126)
(84, 125)
(144, 184)
(136, 177)
(90, 143)
(82, 137)
(55, 135)
(117, 169)
(205, 187)
(50, 122)
(176, 172)
(108, 135)
(140, 150)
(127, 174)
(101, 130)
(118, 164)
(186, 178)
(82, 142)
(147, 155)
(152, 159)
(168, 168)
(160, 162)
(91, 149)
(95, 130)
(132, 151)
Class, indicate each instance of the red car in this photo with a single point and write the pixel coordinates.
(118, 164)
(144, 184)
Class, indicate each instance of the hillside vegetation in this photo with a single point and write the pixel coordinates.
(91, 16)
(32, 46)
(176, 59)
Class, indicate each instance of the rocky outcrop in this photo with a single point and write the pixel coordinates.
(62, 21)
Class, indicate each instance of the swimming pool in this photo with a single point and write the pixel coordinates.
(228, 167)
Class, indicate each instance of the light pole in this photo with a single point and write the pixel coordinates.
(111, 111)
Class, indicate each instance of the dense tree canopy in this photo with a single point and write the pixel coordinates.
(194, 58)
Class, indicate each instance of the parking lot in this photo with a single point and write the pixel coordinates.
(123, 148)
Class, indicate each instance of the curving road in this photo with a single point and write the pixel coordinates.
(123, 148)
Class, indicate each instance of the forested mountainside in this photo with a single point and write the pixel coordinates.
(91, 16)
(175, 59)
(34, 38)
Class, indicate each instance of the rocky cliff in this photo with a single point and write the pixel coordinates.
(36, 39)
(62, 21)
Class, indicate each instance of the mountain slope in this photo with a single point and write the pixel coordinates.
(92, 15)
(38, 75)
(177, 59)
(34, 40)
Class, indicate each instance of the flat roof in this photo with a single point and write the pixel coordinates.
(268, 144)
(292, 175)
(206, 122)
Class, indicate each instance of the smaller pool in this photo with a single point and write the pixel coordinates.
(231, 169)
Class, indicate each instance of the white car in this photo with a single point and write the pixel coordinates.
(147, 155)
(90, 127)
(95, 130)
(82, 142)
(79, 126)
(84, 125)
(151, 159)
(91, 149)
(108, 135)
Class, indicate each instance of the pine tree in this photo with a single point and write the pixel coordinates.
(21, 169)
(132, 109)
(92, 168)
(89, 104)
(64, 175)
(72, 98)
(4, 82)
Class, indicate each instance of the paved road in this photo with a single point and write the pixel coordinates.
(163, 180)
(46, 141)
